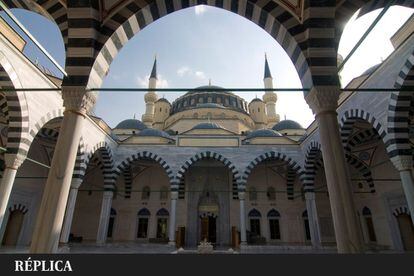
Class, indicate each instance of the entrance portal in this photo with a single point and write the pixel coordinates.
(208, 229)
(406, 231)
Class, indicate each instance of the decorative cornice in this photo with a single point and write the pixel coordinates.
(77, 99)
(323, 99)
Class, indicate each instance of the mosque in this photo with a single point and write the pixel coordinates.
(208, 166)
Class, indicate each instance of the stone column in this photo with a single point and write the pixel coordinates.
(404, 166)
(70, 209)
(313, 220)
(173, 211)
(49, 221)
(13, 162)
(104, 217)
(323, 101)
(243, 239)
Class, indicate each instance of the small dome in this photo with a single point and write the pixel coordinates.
(163, 100)
(287, 124)
(154, 132)
(255, 100)
(131, 124)
(370, 70)
(263, 133)
(207, 126)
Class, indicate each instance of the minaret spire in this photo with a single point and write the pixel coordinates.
(154, 69)
(270, 97)
(267, 73)
(150, 97)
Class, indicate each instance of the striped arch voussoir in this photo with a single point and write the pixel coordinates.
(312, 162)
(363, 170)
(401, 210)
(204, 155)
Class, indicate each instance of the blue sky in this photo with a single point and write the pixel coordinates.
(197, 44)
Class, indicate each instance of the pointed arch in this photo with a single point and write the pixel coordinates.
(400, 109)
(313, 161)
(53, 10)
(121, 25)
(203, 155)
(16, 112)
(293, 169)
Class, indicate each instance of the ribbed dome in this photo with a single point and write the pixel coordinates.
(209, 96)
(207, 126)
(286, 124)
(263, 133)
(131, 124)
(154, 132)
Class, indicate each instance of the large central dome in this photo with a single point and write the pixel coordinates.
(209, 96)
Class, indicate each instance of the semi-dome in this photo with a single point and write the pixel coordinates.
(209, 96)
(287, 124)
(154, 133)
(207, 126)
(131, 124)
(263, 133)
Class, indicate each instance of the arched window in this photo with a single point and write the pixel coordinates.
(273, 216)
(201, 100)
(252, 194)
(146, 192)
(306, 225)
(366, 213)
(209, 99)
(14, 226)
(162, 222)
(164, 193)
(254, 219)
(271, 194)
(143, 220)
(111, 223)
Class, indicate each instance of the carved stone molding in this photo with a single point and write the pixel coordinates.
(242, 195)
(78, 99)
(323, 98)
(174, 195)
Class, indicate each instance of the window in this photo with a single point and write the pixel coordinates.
(164, 193)
(254, 218)
(200, 100)
(258, 109)
(146, 192)
(306, 225)
(271, 194)
(111, 223)
(209, 99)
(366, 212)
(274, 227)
(162, 228)
(143, 220)
(252, 194)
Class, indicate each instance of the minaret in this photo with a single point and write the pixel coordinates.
(150, 97)
(270, 97)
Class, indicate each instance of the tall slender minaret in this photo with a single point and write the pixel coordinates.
(150, 97)
(270, 97)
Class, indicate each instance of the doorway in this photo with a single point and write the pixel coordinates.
(13, 228)
(406, 231)
(208, 229)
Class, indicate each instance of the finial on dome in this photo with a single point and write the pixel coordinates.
(285, 117)
(154, 69)
(209, 82)
(267, 73)
(134, 116)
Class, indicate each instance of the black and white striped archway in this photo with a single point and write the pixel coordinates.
(313, 161)
(400, 112)
(14, 107)
(179, 179)
(125, 168)
(293, 169)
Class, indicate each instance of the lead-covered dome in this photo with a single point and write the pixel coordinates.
(209, 97)
(131, 124)
(154, 133)
(287, 124)
(263, 133)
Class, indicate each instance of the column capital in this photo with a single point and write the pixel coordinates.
(13, 161)
(77, 99)
(174, 195)
(323, 98)
(242, 195)
(108, 194)
(75, 183)
(310, 195)
(402, 163)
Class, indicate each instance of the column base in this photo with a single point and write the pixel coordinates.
(171, 243)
